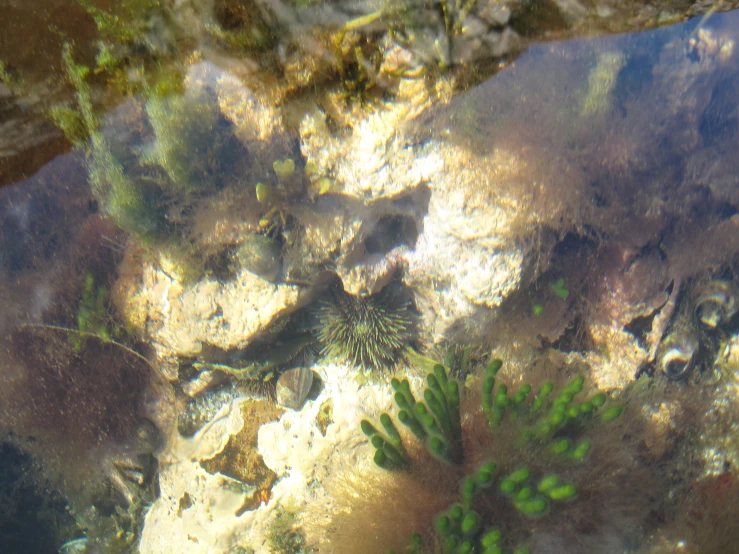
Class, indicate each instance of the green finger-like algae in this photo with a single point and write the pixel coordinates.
(550, 419)
(508, 486)
(520, 475)
(611, 413)
(490, 538)
(598, 400)
(581, 450)
(561, 446)
(469, 489)
(524, 493)
(470, 522)
(533, 507)
(457, 512)
(563, 492)
(547, 483)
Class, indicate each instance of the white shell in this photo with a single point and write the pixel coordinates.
(716, 303)
(677, 354)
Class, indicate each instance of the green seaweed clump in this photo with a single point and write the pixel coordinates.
(69, 121)
(120, 196)
(559, 288)
(148, 189)
(187, 145)
(436, 422)
(542, 439)
(601, 83)
(131, 32)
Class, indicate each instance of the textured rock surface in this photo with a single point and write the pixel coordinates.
(477, 188)
(197, 510)
(227, 316)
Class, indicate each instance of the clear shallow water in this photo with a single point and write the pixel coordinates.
(609, 171)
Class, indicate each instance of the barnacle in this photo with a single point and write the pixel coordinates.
(260, 254)
(293, 387)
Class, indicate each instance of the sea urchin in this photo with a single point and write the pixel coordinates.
(369, 330)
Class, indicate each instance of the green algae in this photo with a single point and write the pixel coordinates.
(188, 146)
(549, 419)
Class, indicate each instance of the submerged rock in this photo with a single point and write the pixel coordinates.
(227, 316)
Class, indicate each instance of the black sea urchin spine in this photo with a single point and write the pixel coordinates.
(368, 330)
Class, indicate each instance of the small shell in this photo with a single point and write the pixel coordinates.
(716, 303)
(293, 387)
(678, 353)
(261, 255)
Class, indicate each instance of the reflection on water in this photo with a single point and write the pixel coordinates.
(215, 236)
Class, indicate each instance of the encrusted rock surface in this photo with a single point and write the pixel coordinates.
(227, 316)
(476, 191)
(198, 510)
